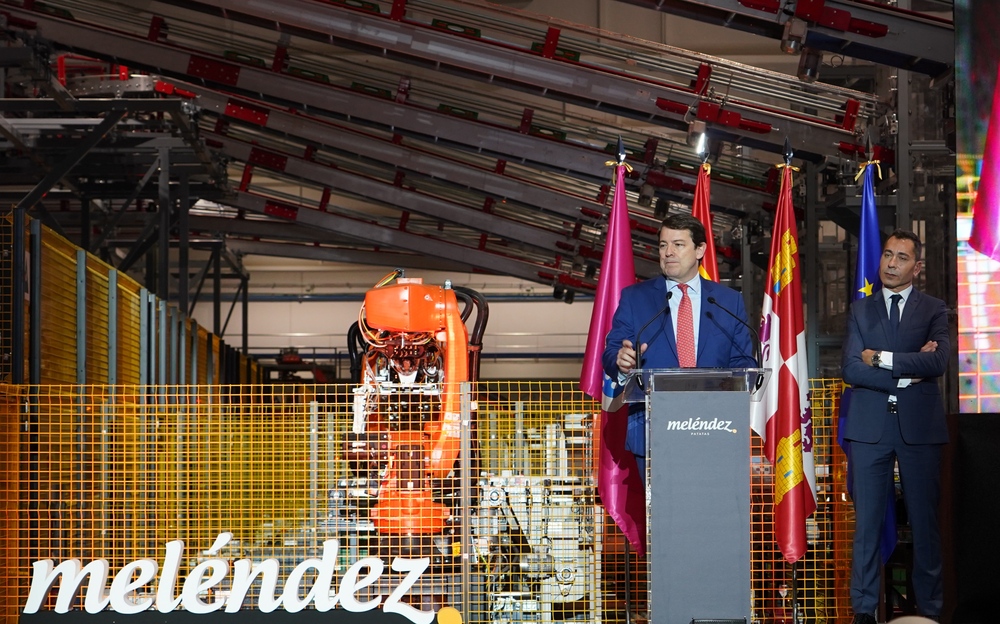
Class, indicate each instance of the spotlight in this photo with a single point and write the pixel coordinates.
(645, 195)
(558, 291)
(696, 132)
(809, 62)
(793, 36)
(711, 150)
(662, 208)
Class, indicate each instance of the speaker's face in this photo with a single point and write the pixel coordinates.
(679, 256)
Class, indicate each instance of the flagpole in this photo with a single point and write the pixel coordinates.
(618, 483)
(795, 593)
(782, 419)
(795, 564)
(628, 547)
(628, 583)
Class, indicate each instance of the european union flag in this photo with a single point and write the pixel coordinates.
(866, 280)
(866, 283)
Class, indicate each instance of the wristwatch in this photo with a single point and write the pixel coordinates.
(877, 359)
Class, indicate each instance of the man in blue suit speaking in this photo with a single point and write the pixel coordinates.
(685, 321)
(897, 348)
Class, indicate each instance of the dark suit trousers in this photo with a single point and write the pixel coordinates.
(920, 477)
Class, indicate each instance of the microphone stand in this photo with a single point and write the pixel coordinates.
(758, 354)
(638, 341)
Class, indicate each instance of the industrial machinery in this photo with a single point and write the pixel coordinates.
(539, 535)
(512, 535)
(410, 354)
(533, 521)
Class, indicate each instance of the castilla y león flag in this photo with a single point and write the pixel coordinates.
(783, 418)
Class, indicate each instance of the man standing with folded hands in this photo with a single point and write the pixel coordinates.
(896, 349)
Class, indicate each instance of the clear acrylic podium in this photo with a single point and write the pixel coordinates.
(698, 490)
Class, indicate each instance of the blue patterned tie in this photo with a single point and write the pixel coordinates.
(894, 314)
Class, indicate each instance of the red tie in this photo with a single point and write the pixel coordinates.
(685, 330)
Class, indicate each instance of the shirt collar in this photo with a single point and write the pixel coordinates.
(905, 294)
(694, 283)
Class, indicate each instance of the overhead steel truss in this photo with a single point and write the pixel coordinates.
(662, 84)
(646, 81)
(393, 238)
(269, 108)
(876, 32)
(504, 145)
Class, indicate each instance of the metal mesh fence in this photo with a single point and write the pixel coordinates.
(128, 330)
(97, 364)
(6, 295)
(59, 321)
(90, 322)
(515, 534)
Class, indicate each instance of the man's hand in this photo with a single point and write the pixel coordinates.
(866, 356)
(626, 356)
(929, 347)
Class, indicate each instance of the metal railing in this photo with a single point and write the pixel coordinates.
(116, 473)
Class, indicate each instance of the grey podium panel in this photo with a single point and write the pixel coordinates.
(698, 506)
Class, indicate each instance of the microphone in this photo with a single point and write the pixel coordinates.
(753, 334)
(638, 343)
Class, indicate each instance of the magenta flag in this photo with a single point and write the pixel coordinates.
(617, 272)
(985, 237)
(618, 480)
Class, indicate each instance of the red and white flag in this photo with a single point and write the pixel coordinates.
(783, 417)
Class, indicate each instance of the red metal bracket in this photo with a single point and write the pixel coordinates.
(266, 158)
(526, 118)
(704, 75)
(398, 11)
(771, 6)
(283, 211)
(280, 60)
(211, 69)
(247, 112)
(551, 42)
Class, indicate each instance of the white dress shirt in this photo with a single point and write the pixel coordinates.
(885, 359)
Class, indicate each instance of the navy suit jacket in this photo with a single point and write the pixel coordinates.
(722, 341)
(921, 408)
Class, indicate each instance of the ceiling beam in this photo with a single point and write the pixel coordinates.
(399, 197)
(387, 237)
(879, 33)
(667, 100)
(349, 256)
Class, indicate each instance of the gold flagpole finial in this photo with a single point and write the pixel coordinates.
(620, 157)
(864, 165)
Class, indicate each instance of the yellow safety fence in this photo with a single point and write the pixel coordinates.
(117, 472)
(90, 312)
